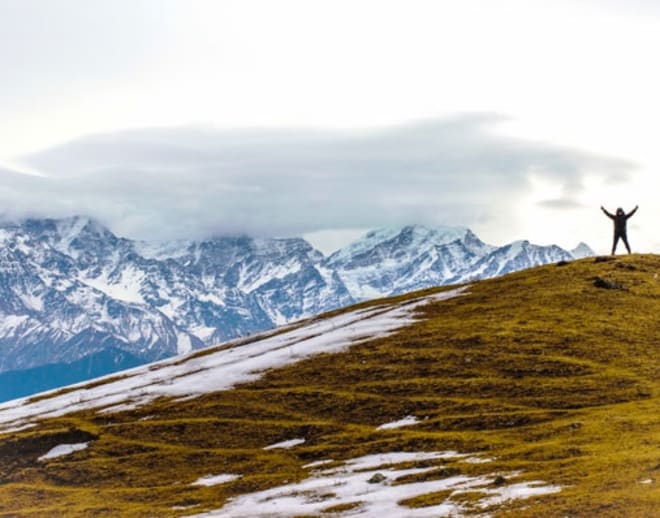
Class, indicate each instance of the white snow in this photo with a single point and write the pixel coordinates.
(63, 449)
(377, 460)
(581, 251)
(285, 444)
(515, 248)
(183, 343)
(381, 275)
(517, 491)
(9, 323)
(250, 281)
(406, 421)
(421, 236)
(173, 304)
(276, 317)
(211, 297)
(162, 250)
(126, 288)
(224, 366)
(352, 483)
(214, 480)
(202, 332)
(358, 288)
(68, 229)
(32, 301)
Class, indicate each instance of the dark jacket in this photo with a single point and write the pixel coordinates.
(620, 219)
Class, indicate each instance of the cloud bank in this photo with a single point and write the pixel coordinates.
(197, 181)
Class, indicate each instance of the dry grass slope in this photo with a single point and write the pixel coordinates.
(540, 370)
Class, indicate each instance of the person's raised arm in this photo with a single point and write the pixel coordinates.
(632, 211)
(611, 216)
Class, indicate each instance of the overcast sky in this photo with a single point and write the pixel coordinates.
(179, 118)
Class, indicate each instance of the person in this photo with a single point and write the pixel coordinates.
(620, 220)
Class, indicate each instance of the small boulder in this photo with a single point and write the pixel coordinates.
(599, 282)
(377, 478)
(499, 480)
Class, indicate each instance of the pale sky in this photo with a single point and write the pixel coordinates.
(177, 118)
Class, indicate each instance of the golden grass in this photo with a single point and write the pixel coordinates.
(539, 370)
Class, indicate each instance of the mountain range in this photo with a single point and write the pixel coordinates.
(77, 301)
(530, 394)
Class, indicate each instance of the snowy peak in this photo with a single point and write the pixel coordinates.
(516, 256)
(582, 250)
(66, 229)
(392, 242)
(388, 261)
(71, 228)
(70, 236)
(392, 261)
(476, 245)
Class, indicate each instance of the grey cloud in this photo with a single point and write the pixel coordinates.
(197, 181)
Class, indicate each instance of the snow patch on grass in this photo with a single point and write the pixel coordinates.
(222, 367)
(406, 421)
(63, 449)
(214, 480)
(373, 486)
(285, 444)
(518, 491)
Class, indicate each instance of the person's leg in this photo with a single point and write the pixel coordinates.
(625, 242)
(616, 240)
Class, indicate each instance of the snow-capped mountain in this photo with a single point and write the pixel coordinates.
(513, 257)
(71, 289)
(581, 251)
(390, 261)
(387, 262)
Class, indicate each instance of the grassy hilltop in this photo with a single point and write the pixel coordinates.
(540, 371)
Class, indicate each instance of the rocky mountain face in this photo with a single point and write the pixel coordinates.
(393, 261)
(71, 289)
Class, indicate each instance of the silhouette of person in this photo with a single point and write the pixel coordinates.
(620, 220)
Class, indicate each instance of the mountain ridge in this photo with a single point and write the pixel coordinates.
(71, 288)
